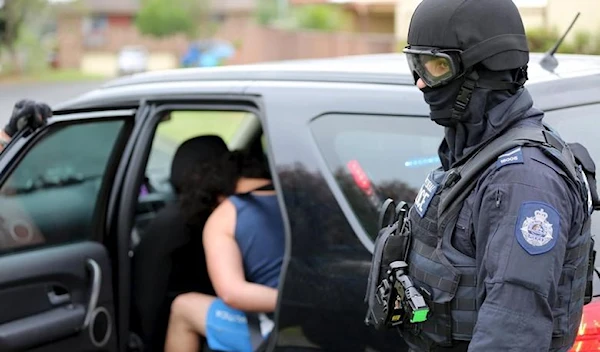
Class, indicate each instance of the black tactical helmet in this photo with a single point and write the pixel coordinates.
(459, 34)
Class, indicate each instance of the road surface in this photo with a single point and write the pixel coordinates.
(51, 93)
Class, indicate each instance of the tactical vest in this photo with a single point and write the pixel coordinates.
(447, 277)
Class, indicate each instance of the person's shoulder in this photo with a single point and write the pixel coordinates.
(528, 165)
(222, 217)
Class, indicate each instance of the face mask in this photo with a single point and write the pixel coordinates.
(441, 100)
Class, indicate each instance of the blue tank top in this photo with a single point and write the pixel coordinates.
(259, 233)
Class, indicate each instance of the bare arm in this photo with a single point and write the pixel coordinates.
(225, 265)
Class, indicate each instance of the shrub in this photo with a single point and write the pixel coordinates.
(322, 17)
(581, 42)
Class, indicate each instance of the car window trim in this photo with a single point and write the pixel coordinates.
(147, 121)
(85, 115)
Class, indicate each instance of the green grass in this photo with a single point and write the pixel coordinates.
(50, 76)
(187, 124)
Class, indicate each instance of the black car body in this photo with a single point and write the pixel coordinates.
(341, 135)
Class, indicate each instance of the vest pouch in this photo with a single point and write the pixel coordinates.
(388, 248)
(571, 292)
(439, 283)
(567, 311)
(464, 305)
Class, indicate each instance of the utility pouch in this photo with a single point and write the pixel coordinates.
(391, 245)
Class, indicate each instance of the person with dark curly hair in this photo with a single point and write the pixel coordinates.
(169, 258)
(244, 245)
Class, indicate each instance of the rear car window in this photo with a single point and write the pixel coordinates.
(375, 157)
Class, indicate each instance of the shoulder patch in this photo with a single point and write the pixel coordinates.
(514, 156)
(537, 228)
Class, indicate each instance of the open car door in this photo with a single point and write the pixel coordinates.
(56, 286)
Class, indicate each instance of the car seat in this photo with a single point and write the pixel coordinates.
(169, 260)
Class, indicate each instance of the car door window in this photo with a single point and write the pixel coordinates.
(50, 196)
(376, 157)
(177, 127)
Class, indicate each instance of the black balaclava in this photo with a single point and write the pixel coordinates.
(475, 125)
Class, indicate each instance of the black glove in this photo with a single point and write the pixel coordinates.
(27, 113)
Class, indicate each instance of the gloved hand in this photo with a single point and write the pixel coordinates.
(27, 113)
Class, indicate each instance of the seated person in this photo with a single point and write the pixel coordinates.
(170, 257)
(244, 242)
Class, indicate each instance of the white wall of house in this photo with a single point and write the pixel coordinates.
(561, 12)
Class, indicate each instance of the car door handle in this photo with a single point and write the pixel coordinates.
(58, 298)
(95, 286)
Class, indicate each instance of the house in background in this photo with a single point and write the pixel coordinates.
(366, 16)
(90, 33)
(393, 16)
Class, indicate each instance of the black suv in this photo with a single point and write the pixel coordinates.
(341, 135)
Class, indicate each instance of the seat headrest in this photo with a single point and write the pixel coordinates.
(194, 151)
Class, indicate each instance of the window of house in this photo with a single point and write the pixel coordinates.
(51, 196)
(377, 157)
(94, 30)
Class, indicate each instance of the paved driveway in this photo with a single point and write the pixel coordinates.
(51, 93)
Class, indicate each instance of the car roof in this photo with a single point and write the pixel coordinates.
(376, 68)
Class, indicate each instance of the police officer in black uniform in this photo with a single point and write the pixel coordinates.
(506, 268)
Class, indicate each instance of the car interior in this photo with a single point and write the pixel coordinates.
(164, 266)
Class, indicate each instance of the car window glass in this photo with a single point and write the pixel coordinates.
(51, 195)
(179, 126)
(394, 154)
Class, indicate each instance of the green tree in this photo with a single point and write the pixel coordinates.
(322, 17)
(14, 15)
(163, 18)
(266, 11)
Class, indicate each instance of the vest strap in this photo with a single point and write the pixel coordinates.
(449, 286)
(481, 160)
(465, 304)
(441, 283)
(462, 328)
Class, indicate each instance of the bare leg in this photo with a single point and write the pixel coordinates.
(187, 321)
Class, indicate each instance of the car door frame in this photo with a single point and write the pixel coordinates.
(18, 148)
(290, 118)
(126, 196)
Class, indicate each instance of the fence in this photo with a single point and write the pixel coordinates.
(260, 44)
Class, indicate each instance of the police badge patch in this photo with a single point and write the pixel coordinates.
(538, 227)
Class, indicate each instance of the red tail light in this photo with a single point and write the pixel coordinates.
(588, 336)
(360, 177)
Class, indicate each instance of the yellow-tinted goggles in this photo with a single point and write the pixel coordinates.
(434, 67)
